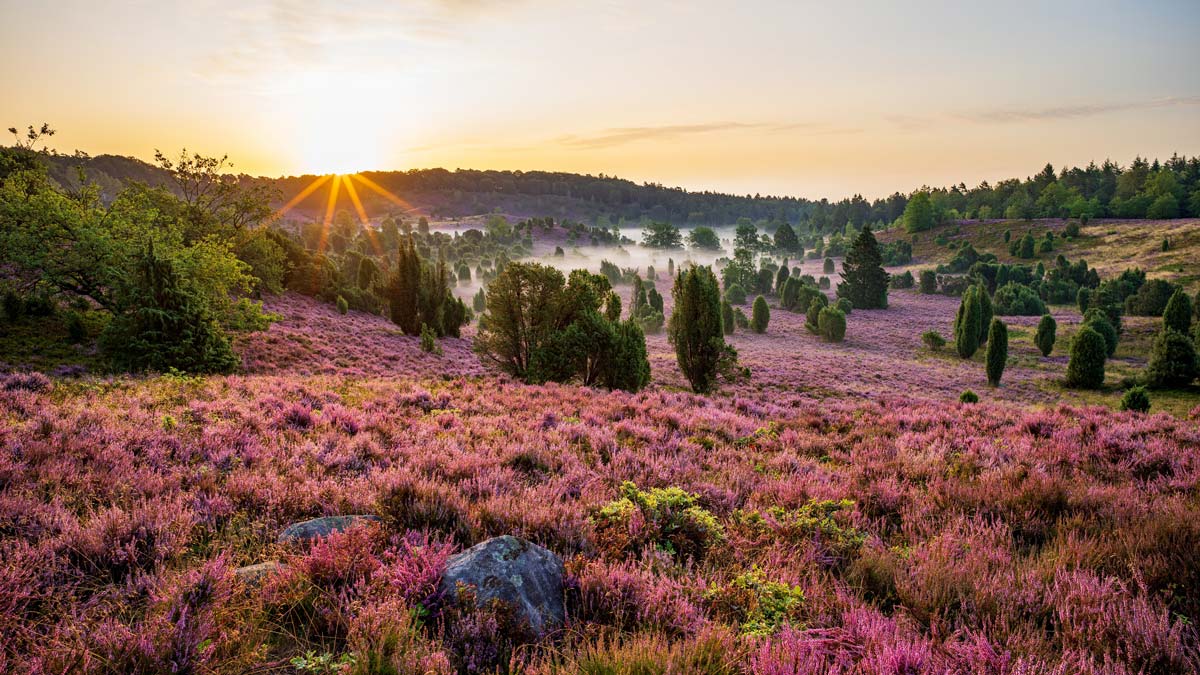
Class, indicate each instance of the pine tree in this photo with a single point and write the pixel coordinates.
(1045, 337)
(997, 351)
(864, 280)
(966, 324)
(695, 327)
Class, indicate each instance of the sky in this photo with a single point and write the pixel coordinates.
(810, 99)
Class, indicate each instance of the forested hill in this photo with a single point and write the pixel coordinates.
(464, 192)
(1143, 189)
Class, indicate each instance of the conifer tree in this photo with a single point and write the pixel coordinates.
(997, 351)
(864, 280)
(966, 324)
(695, 328)
(1046, 334)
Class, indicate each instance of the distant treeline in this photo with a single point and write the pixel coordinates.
(1144, 189)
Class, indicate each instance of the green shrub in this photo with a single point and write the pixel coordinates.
(823, 283)
(1013, 299)
(429, 341)
(966, 323)
(1177, 315)
(160, 325)
(928, 279)
(739, 318)
(757, 605)
(343, 306)
(812, 318)
(736, 295)
(828, 267)
(968, 396)
(832, 324)
(1172, 360)
(760, 316)
(1136, 399)
(479, 302)
(695, 329)
(76, 330)
(845, 305)
(905, 280)
(996, 356)
(671, 520)
(1088, 353)
(1151, 299)
(933, 340)
(727, 322)
(1045, 337)
(1098, 321)
(1072, 230)
(1083, 299)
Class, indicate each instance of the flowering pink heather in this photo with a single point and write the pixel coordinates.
(913, 534)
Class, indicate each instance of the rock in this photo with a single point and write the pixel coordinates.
(253, 575)
(526, 576)
(318, 528)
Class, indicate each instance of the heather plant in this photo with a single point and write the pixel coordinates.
(1136, 399)
(996, 356)
(1088, 354)
(760, 316)
(1045, 336)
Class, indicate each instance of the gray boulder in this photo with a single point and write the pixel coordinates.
(318, 528)
(526, 576)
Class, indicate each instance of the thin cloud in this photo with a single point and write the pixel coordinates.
(282, 33)
(1007, 116)
(609, 138)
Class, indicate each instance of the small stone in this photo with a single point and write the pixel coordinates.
(525, 576)
(318, 528)
(253, 575)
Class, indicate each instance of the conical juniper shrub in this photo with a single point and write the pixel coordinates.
(832, 324)
(864, 280)
(1172, 360)
(1136, 400)
(1088, 353)
(966, 324)
(986, 312)
(1177, 315)
(695, 327)
(1045, 337)
(1097, 320)
(761, 315)
(997, 351)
